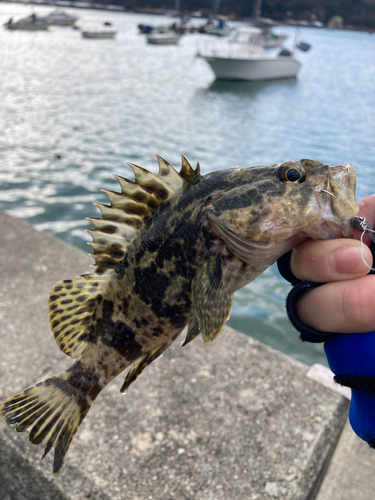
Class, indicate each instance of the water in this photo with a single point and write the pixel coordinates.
(100, 103)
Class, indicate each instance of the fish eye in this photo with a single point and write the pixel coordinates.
(291, 174)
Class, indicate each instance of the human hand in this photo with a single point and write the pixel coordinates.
(344, 304)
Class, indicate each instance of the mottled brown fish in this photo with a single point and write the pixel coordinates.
(170, 251)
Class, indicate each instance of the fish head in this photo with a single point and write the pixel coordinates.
(284, 204)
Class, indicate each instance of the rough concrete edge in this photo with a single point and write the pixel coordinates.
(332, 442)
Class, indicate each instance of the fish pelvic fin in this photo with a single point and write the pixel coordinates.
(138, 366)
(129, 210)
(51, 412)
(72, 311)
(193, 330)
(211, 297)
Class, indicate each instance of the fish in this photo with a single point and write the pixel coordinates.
(170, 251)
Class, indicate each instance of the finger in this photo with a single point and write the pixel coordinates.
(330, 260)
(340, 307)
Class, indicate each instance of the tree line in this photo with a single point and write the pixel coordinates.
(354, 12)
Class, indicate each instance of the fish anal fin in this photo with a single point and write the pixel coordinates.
(193, 331)
(138, 366)
(72, 306)
(212, 300)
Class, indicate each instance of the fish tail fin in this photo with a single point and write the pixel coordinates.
(51, 412)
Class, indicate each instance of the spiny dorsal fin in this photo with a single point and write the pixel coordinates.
(72, 305)
(128, 211)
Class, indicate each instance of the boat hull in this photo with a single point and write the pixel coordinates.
(253, 69)
(27, 26)
(163, 39)
(99, 35)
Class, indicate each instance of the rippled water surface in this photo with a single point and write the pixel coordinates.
(100, 103)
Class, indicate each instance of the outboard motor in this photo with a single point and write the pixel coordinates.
(284, 53)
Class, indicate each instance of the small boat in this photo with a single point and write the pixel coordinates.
(102, 34)
(29, 23)
(217, 26)
(59, 17)
(146, 29)
(165, 38)
(243, 57)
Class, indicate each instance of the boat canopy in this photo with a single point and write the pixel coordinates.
(247, 36)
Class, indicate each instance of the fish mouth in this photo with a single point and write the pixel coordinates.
(336, 198)
(341, 187)
(339, 229)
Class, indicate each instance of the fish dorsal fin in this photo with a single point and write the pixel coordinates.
(128, 211)
(73, 303)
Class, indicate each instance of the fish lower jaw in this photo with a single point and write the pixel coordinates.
(328, 230)
(339, 229)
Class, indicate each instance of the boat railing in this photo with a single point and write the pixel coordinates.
(229, 48)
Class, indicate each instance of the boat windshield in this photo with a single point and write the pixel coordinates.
(253, 36)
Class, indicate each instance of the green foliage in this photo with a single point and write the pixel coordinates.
(354, 12)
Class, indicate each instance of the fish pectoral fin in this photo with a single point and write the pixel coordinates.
(193, 331)
(212, 299)
(142, 363)
(72, 306)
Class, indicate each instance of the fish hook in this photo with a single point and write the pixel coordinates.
(362, 224)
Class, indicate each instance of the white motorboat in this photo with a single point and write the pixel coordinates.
(29, 23)
(59, 17)
(165, 38)
(243, 57)
(100, 34)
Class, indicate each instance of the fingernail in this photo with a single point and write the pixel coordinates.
(346, 260)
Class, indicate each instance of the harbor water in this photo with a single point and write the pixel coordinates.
(74, 111)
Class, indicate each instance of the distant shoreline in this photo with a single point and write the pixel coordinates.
(66, 4)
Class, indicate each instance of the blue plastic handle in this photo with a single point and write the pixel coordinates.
(354, 355)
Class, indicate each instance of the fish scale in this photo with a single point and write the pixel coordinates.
(170, 251)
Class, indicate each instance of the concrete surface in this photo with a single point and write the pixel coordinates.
(351, 473)
(229, 420)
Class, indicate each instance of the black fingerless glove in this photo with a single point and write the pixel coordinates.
(307, 334)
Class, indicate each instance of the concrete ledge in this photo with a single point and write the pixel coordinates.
(229, 420)
(351, 471)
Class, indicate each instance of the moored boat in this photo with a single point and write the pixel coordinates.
(100, 34)
(59, 17)
(166, 38)
(243, 57)
(29, 23)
